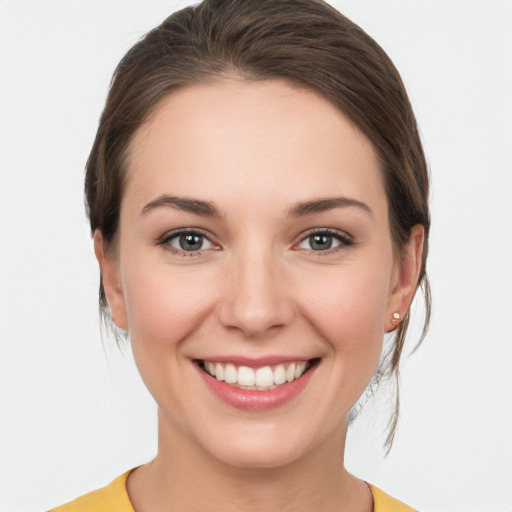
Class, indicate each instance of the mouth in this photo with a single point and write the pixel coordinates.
(264, 378)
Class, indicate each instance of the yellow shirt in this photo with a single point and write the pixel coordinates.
(114, 498)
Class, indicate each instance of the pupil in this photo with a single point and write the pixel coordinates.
(191, 242)
(321, 242)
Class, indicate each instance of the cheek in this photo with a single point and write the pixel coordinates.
(348, 307)
(164, 310)
(165, 307)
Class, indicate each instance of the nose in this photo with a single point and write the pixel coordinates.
(256, 295)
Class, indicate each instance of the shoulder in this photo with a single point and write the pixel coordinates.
(107, 499)
(383, 502)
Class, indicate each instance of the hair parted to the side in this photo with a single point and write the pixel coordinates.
(304, 42)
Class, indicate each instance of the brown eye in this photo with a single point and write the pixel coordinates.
(189, 242)
(323, 241)
(320, 242)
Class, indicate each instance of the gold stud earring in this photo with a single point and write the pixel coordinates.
(395, 318)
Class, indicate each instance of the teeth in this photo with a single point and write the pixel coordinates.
(264, 377)
(260, 379)
(230, 374)
(299, 369)
(279, 375)
(246, 376)
(219, 371)
(290, 372)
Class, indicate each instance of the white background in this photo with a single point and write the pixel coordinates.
(74, 415)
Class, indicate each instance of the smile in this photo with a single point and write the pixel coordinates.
(264, 378)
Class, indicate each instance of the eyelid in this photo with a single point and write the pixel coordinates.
(346, 240)
(169, 235)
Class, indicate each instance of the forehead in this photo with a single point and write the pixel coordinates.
(240, 139)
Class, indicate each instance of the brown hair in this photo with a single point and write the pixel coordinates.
(305, 42)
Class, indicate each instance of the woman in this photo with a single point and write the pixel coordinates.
(258, 198)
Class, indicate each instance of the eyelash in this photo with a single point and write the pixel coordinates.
(344, 239)
(166, 239)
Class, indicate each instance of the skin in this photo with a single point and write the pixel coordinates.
(257, 288)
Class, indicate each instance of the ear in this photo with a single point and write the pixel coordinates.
(405, 278)
(110, 278)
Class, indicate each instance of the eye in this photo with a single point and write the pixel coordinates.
(325, 240)
(189, 241)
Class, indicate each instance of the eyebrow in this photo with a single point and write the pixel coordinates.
(208, 209)
(197, 206)
(325, 204)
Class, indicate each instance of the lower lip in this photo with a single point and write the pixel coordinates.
(256, 400)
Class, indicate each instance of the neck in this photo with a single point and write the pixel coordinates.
(183, 477)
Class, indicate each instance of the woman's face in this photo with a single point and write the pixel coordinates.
(254, 244)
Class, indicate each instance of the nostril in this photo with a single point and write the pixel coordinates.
(255, 318)
(255, 299)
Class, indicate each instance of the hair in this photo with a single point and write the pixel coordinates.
(306, 43)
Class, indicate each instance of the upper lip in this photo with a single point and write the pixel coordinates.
(254, 362)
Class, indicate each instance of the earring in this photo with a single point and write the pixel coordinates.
(395, 318)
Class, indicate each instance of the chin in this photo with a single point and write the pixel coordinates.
(256, 458)
(262, 448)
